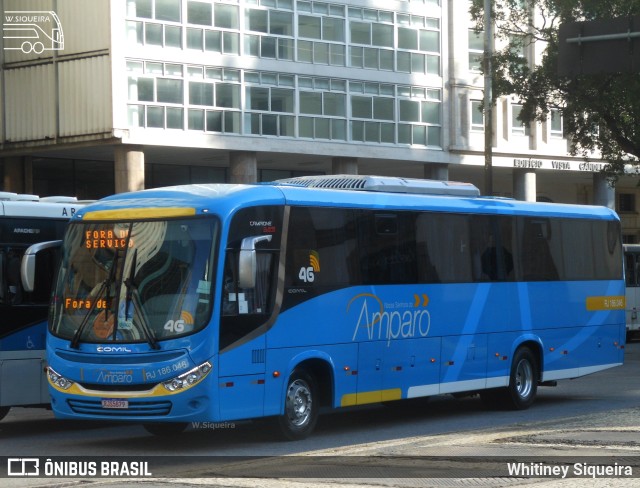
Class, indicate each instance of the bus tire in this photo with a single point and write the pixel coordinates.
(523, 384)
(162, 429)
(301, 403)
(3, 412)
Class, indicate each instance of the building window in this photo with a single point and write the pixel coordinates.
(322, 104)
(476, 50)
(518, 127)
(626, 202)
(371, 34)
(378, 114)
(199, 13)
(166, 10)
(225, 16)
(157, 33)
(421, 34)
(419, 116)
(477, 116)
(269, 22)
(273, 102)
(556, 123)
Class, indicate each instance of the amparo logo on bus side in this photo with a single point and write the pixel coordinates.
(377, 320)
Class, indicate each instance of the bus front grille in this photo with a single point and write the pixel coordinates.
(135, 408)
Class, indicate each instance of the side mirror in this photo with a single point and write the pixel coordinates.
(247, 266)
(28, 264)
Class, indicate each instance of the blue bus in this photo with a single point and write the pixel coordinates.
(225, 302)
(27, 221)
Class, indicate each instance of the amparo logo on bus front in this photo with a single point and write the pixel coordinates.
(380, 320)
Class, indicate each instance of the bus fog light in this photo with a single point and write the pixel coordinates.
(58, 380)
(188, 379)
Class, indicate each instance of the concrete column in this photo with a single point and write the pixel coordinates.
(243, 166)
(524, 185)
(14, 175)
(433, 171)
(603, 192)
(344, 166)
(128, 168)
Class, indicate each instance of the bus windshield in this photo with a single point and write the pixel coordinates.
(134, 281)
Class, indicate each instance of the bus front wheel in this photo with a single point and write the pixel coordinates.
(300, 407)
(523, 384)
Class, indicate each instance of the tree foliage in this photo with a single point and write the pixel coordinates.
(600, 112)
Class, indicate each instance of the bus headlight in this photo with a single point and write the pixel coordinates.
(188, 379)
(58, 380)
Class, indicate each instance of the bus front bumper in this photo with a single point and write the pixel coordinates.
(162, 402)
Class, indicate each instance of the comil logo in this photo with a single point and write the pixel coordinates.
(32, 31)
(23, 467)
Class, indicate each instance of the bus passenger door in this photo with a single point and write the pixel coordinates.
(247, 310)
(242, 345)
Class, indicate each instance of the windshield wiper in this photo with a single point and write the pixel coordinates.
(132, 296)
(106, 285)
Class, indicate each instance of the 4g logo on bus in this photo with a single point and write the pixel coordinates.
(379, 320)
(307, 273)
(178, 326)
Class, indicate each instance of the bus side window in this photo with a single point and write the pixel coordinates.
(14, 286)
(536, 239)
(245, 309)
(631, 270)
(247, 301)
(12, 291)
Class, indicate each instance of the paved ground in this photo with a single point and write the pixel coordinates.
(613, 436)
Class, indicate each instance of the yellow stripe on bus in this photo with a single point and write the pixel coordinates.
(371, 397)
(595, 304)
(140, 213)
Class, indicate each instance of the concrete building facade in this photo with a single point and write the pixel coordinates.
(147, 93)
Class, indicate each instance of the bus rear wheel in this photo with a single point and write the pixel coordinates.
(300, 407)
(162, 429)
(523, 384)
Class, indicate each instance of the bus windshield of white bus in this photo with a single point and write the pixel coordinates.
(134, 281)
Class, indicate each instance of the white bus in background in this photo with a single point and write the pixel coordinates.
(25, 221)
(632, 277)
(32, 31)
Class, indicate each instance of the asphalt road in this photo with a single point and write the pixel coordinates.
(587, 420)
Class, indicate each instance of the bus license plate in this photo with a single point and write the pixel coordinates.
(115, 403)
